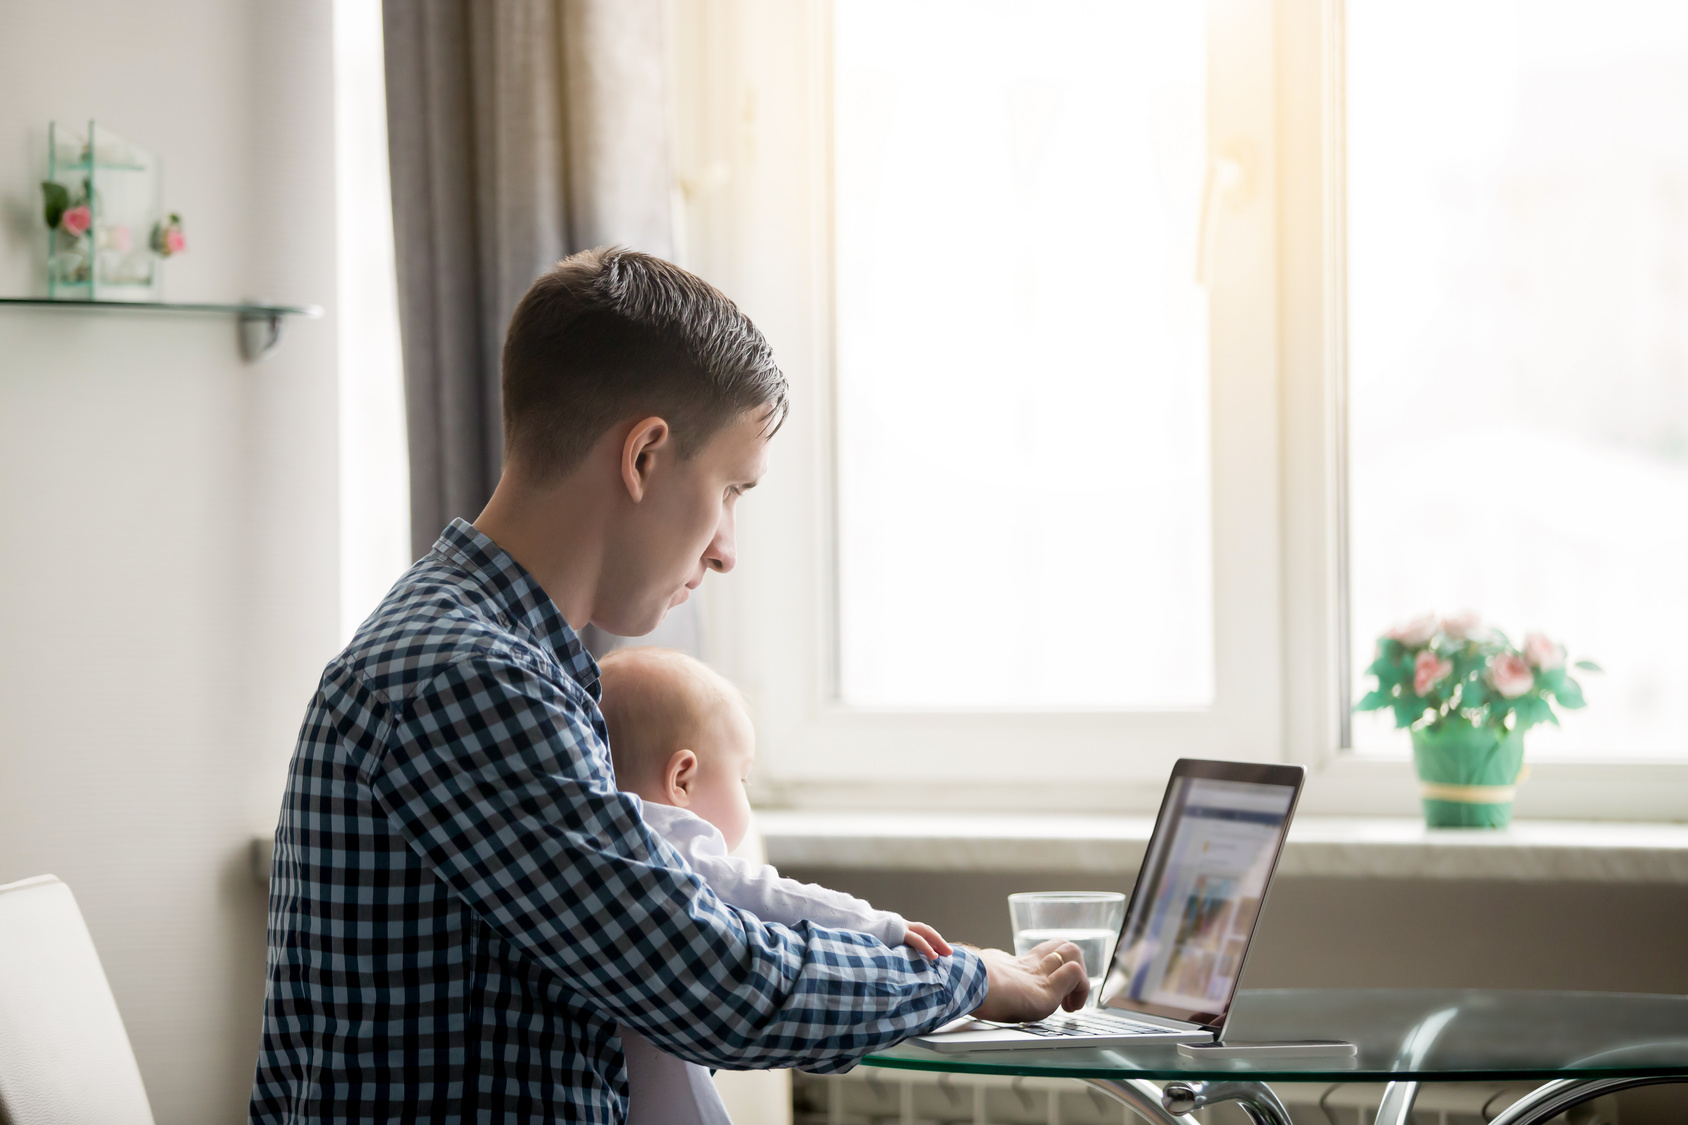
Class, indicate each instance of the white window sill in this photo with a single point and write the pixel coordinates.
(1359, 847)
(1353, 847)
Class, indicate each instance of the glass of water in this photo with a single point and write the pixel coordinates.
(1089, 919)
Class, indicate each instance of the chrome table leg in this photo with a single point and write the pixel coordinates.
(1397, 1105)
(1398, 1097)
(1548, 1101)
(1255, 1098)
(1172, 1104)
(1143, 1096)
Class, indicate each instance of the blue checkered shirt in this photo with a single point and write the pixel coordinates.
(463, 907)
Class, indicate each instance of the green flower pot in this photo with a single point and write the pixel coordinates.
(1467, 774)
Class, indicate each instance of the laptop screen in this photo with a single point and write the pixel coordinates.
(1198, 894)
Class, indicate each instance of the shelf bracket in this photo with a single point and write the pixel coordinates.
(260, 332)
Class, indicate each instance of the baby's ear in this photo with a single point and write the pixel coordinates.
(680, 777)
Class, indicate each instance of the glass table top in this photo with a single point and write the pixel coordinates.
(1407, 1034)
(256, 308)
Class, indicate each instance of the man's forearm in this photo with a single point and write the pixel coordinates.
(850, 996)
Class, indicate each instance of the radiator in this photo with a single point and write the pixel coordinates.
(876, 1096)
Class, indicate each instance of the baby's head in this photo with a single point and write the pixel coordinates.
(679, 735)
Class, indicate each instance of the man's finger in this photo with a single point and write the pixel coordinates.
(1072, 984)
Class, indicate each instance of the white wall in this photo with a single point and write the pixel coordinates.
(168, 513)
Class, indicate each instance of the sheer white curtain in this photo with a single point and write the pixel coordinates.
(374, 465)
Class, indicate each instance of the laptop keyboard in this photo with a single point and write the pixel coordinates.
(1089, 1023)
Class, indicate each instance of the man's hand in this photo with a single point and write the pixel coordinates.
(1030, 987)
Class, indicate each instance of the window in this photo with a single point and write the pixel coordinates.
(1017, 525)
(1020, 332)
(1050, 507)
(1518, 340)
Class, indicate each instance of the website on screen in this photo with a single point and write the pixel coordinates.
(1198, 896)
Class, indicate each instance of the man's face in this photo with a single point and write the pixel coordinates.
(681, 528)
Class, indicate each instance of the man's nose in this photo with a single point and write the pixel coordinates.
(722, 554)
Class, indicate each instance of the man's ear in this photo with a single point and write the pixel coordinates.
(638, 454)
(679, 777)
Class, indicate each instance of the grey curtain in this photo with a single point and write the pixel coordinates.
(518, 132)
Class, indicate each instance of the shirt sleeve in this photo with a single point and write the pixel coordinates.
(496, 779)
(764, 892)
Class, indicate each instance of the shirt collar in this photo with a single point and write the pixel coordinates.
(523, 602)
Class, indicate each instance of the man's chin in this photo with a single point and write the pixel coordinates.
(641, 625)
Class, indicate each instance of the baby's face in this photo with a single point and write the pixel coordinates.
(726, 750)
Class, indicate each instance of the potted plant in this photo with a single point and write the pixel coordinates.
(1468, 695)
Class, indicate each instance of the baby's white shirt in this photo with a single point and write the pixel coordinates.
(664, 1090)
(759, 888)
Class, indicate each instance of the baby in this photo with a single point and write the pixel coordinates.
(681, 740)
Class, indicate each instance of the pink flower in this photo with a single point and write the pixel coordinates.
(76, 220)
(1510, 675)
(118, 239)
(1415, 633)
(175, 241)
(1462, 626)
(1429, 670)
(1543, 653)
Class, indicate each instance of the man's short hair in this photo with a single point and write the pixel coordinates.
(612, 335)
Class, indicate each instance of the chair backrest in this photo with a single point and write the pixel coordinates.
(64, 1056)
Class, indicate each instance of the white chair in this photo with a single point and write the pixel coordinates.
(64, 1056)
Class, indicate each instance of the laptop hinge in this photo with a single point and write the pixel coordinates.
(1159, 1021)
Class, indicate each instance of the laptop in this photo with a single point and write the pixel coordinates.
(1188, 926)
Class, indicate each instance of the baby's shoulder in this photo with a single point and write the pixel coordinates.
(690, 834)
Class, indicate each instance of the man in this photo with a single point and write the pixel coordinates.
(463, 907)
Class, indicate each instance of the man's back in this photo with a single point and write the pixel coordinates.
(393, 976)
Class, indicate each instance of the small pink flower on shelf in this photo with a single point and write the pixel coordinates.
(76, 220)
(167, 237)
(1510, 675)
(1462, 626)
(1543, 653)
(119, 240)
(1429, 670)
(1415, 633)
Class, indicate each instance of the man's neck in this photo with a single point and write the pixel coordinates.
(556, 532)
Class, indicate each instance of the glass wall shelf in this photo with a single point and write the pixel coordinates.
(259, 322)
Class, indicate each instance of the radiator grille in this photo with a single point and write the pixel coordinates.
(876, 1096)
